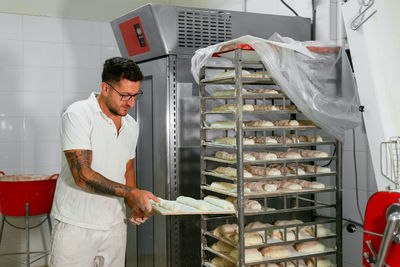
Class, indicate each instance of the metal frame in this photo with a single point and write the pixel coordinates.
(288, 198)
(28, 260)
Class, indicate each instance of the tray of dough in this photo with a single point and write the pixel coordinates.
(262, 178)
(173, 207)
(281, 160)
(266, 259)
(273, 193)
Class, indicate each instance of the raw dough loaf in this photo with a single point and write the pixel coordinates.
(223, 124)
(267, 139)
(289, 169)
(321, 262)
(262, 91)
(289, 185)
(192, 203)
(290, 231)
(285, 123)
(311, 168)
(221, 262)
(257, 225)
(249, 204)
(222, 247)
(225, 230)
(230, 92)
(310, 138)
(261, 171)
(251, 255)
(309, 153)
(266, 108)
(250, 239)
(232, 172)
(232, 107)
(322, 231)
(219, 202)
(310, 185)
(265, 155)
(247, 156)
(254, 186)
(259, 123)
(286, 155)
(169, 205)
(232, 141)
(310, 247)
(277, 252)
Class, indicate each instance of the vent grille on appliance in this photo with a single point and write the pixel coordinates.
(200, 28)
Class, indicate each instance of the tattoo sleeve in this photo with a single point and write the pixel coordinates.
(79, 162)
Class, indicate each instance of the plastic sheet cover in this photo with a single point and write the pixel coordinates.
(318, 81)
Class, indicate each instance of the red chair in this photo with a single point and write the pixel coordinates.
(25, 196)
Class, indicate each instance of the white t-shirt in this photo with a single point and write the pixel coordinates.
(85, 126)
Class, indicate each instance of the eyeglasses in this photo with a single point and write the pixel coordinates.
(126, 97)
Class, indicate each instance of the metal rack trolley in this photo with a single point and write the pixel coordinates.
(285, 198)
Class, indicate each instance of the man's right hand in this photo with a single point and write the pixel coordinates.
(140, 200)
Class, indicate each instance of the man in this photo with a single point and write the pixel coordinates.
(99, 140)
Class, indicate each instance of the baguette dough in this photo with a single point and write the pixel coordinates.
(277, 252)
(311, 168)
(224, 204)
(232, 172)
(169, 205)
(310, 247)
(227, 187)
(232, 141)
(257, 225)
(250, 239)
(251, 255)
(267, 139)
(192, 203)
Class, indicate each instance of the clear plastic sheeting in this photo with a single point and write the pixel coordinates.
(314, 75)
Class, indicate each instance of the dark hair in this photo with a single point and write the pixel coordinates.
(118, 68)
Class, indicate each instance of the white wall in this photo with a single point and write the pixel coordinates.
(45, 65)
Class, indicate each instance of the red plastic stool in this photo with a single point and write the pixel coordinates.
(26, 195)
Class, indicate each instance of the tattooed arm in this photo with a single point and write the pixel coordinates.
(79, 162)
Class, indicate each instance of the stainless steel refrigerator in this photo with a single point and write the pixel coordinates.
(162, 39)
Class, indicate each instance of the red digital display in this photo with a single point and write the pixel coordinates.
(134, 37)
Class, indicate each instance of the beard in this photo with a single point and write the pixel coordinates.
(115, 109)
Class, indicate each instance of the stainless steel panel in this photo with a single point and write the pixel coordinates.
(151, 112)
(182, 30)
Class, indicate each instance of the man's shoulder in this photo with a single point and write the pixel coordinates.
(80, 107)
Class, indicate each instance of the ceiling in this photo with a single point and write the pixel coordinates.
(97, 10)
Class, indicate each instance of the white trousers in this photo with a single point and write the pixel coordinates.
(73, 246)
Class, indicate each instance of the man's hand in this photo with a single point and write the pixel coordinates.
(139, 202)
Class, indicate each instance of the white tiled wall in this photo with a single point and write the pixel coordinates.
(45, 65)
